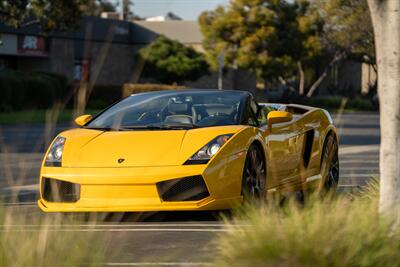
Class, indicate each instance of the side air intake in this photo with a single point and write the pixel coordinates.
(60, 191)
(184, 189)
(308, 143)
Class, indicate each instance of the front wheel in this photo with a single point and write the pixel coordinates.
(254, 175)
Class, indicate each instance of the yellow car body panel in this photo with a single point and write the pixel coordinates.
(91, 159)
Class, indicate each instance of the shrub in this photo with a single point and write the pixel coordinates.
(21, 90)
(340, 232)
(335, 102)
(97, 104)
(104, 95)
(169, 61)
(13, 87)
(130, 88)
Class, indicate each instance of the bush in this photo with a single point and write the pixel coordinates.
(103, 96)
(30, 90)
(169, 61)
(336, 102)
(13, 87)
(340, 232)
(130, 88)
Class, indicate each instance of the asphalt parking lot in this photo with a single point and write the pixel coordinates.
(178, 239)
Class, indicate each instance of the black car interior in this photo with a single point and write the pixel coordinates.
(199, 114)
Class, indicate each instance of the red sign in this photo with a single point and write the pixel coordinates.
(31, 45)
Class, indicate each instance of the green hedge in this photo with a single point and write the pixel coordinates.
(335, 102)
(20, 90)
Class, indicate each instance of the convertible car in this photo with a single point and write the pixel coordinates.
(188, 150)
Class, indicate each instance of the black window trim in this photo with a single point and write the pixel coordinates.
(249, 111)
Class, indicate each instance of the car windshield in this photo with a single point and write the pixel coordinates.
(173, 110)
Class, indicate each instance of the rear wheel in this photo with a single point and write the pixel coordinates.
(254, 175)
(330, 165)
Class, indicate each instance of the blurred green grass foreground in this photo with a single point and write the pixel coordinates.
(29, 240)
(344, 231)
(340, 232)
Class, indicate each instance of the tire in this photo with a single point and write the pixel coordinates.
(254, 175)
(330, 165)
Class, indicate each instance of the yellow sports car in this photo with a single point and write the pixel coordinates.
(188, 150)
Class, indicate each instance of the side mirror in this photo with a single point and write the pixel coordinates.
(82, 120)
(279, 117)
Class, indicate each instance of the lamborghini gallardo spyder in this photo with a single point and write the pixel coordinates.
(188, 150)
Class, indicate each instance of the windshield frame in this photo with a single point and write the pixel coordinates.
(243, 97)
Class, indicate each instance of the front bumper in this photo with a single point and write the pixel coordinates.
(135, 189)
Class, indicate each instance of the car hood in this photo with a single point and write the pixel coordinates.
(93, 148)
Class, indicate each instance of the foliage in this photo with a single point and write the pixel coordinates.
(340, 232)
(347, 27)
(57, 14)
(43, 243)
(169, 61)
(50, 15)
(131, 88)
(96, 7)
(336, 102)
(126, 8)
(266, 36)
(295, 43)
(39, 115)
(33, 90)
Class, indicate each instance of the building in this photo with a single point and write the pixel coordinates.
(101, 50)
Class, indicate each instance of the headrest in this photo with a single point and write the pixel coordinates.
(178, 119)
(177, 107)
(215, 108)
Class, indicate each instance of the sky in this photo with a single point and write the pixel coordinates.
(186, 9)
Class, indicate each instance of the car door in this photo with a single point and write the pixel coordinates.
(284, 149)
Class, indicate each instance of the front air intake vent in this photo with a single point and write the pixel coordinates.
(59, 191)
(184, 189)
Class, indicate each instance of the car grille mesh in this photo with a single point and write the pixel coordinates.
(59, 191)
(184, 189)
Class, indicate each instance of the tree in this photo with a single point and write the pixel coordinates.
(96, 7)
(386, 21)
(347, 32)
(126, 9)
(170, 61)
(346, 26)
(60, 14)
(289, 40)
(262, 36)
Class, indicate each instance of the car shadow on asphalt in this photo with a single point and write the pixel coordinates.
(161, 217)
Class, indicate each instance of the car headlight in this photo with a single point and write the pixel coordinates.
(54, 156)
(209, 150)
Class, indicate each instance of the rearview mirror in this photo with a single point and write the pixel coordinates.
(279, 117)
(82, 120)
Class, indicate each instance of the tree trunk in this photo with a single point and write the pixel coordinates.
(386, 21)
(317, 83)
(302, 78)
(339, 56)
